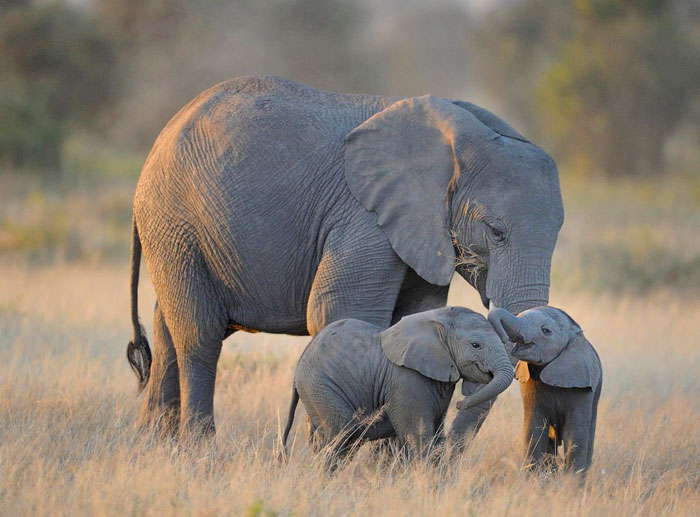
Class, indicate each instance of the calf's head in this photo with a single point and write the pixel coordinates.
(549, 337)
(448, 343)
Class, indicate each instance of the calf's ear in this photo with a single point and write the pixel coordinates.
(578, 366)
(418, 342)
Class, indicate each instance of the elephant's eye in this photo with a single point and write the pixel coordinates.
(546, 331)
(497, 231)
(476, 345)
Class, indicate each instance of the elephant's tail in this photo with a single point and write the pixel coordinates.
(138, 352)
(290, 421)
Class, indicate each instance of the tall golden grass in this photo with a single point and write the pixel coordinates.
(68, 405)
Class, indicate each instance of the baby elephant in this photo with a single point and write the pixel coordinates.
(359, 382)
(560, 380)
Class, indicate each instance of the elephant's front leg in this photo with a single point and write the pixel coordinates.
(417, 295)
(537, 440)
(576, 439)
(161, 408)
(417, 435)
(358, 277)
(536, 426)
(412, 414)
(470, 420)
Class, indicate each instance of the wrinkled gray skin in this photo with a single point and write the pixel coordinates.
(560, 381)
(266, 205)
(400, 379)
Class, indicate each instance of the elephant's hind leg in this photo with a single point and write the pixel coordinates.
(197, 322)
(198, 354)
(161, 409)
(313, 435)
(346, 441)
(332, 428)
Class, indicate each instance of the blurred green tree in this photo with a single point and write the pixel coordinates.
(318, 42)
(426, 48)
(56, 72)
(171, 50)
(605, 82)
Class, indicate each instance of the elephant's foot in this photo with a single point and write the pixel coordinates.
(197, 428)
(162, 420)
(545, 465)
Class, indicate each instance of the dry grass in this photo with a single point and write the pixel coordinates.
(68, 404)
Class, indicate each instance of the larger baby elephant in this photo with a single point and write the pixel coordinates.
(360, 382)
(560, 380)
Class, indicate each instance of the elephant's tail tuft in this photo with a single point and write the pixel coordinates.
(290, 421)
(138, 352)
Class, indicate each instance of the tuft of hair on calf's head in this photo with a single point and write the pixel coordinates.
(572, 321)
(138, 353)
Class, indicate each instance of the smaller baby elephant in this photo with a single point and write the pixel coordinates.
(560, 380)
(359, 382)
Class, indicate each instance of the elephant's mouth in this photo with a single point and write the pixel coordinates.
(521, 346)
(487, 374)
(485, 299)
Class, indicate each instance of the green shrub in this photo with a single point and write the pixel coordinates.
(56, 73)
(30, 135)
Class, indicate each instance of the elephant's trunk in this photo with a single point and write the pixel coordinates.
(505, 324)
(502, 377)
(524, 287)
(507, 327)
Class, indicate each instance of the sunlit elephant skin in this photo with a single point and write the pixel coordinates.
(266, 205)
(560, 378)
(359, 382)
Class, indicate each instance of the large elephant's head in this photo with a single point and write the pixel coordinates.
(453, 186)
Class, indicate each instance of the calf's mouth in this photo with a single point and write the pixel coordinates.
(521, 346)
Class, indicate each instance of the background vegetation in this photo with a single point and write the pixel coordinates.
(609, 87)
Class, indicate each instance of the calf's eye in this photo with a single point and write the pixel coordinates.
(476, 345)
(546, 331)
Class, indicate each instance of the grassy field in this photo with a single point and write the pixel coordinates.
(627, 268)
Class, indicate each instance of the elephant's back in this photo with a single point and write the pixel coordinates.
(340, 344)
(252, 148)
(237, 124)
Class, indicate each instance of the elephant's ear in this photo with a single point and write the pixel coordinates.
(492, 121)
(399, 163)
(578, 366)
(522, 371)
(418, 342)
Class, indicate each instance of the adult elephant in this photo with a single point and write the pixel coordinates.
(269, 206)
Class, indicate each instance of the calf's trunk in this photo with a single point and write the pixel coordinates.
(502, 377)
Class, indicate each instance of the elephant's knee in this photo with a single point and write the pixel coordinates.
(310, 428)
(314, 435)
(163, 420)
